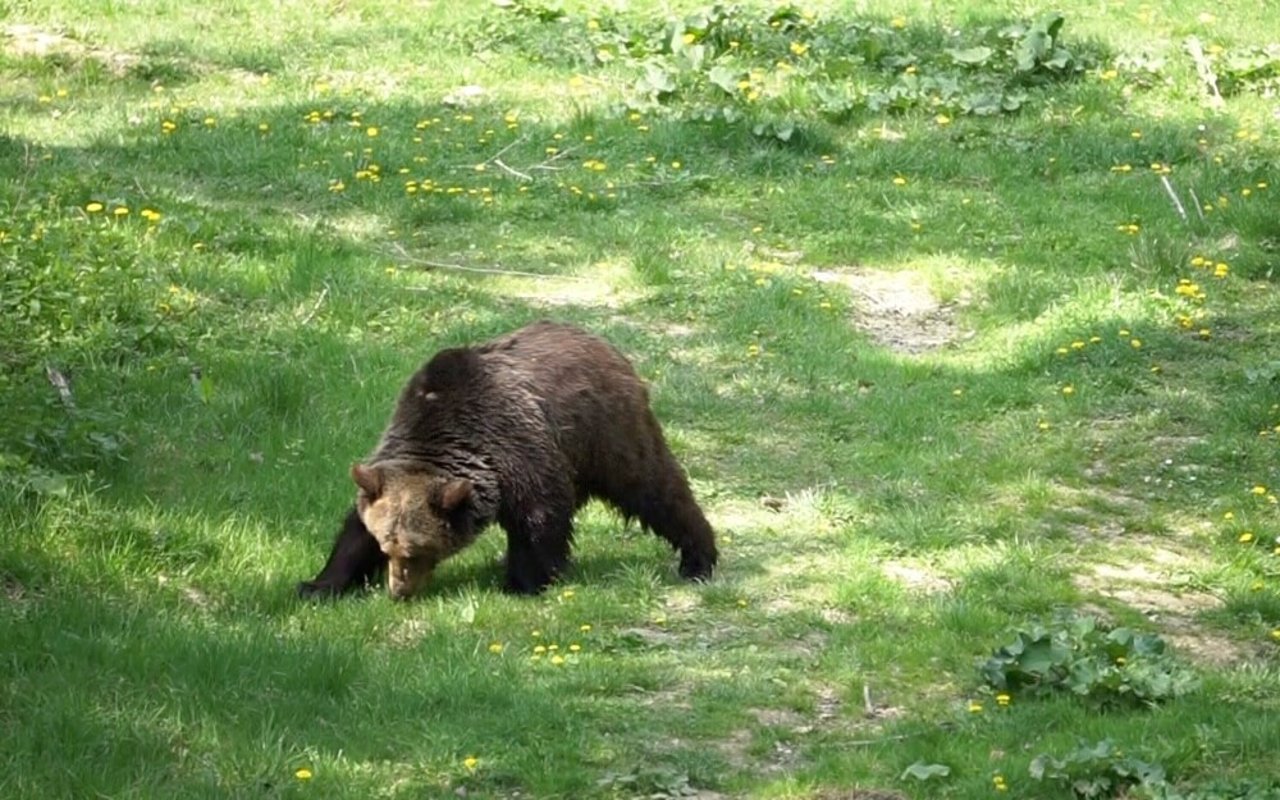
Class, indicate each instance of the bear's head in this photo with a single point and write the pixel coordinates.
(419, 518)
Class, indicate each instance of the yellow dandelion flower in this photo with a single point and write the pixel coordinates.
(574, 648)
(898, 22)
(1246, 537)
(975, 707)
(585, 628)
(557, 660)
(1003, 699)
(1275, 634)
(302, 774)
(1124, 331)
(120, 211)
(566, 594)
(899, 181)
(1043, 425)
(1062, 351)
(495, 647)
(371, 131)
(1122, 168)
(1204, 333)
(689, 38)
(93, 208)
(263, 127)
(799, 48)
(1108, 74)
(1228, 516)
(675, 165)
(1259, 489)
(1077, 345)
(471, 762)
(957, 392)
(942, 119)
(1135, 135)
(1068, 390)
(1136, 344)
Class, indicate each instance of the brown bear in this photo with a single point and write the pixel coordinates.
(521, 431)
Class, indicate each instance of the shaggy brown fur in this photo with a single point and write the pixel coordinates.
(521, 431)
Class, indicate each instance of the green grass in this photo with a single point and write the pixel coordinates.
(886, 516)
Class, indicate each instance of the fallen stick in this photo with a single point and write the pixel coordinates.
(1177, 204)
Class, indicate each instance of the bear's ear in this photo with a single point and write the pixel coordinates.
(369, 479)
(454, 494)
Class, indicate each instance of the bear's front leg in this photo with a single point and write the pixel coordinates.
(355, 561)
(537, 550)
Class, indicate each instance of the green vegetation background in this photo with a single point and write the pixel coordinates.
(228, 232)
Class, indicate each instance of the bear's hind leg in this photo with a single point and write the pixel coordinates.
(355, 560)
(659, 495)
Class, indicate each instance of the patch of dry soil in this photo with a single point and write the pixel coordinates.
(30, 41)
(897, 309)
(1144, 586)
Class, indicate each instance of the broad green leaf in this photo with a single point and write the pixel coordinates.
(923, 772)
(1050, 24)
(1041, 657)
(972, 55)
(725, 77)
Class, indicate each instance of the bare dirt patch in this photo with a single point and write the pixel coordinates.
(1143, 586)
(856, 794)
(556, 293)
(777, 717)
(916, 577)
(407, 633)
(896, 309)
(28, 41)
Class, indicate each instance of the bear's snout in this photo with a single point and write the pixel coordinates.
(406, 577)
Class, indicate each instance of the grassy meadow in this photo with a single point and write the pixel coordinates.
(961, 317)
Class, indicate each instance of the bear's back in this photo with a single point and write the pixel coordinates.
(595, 405)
